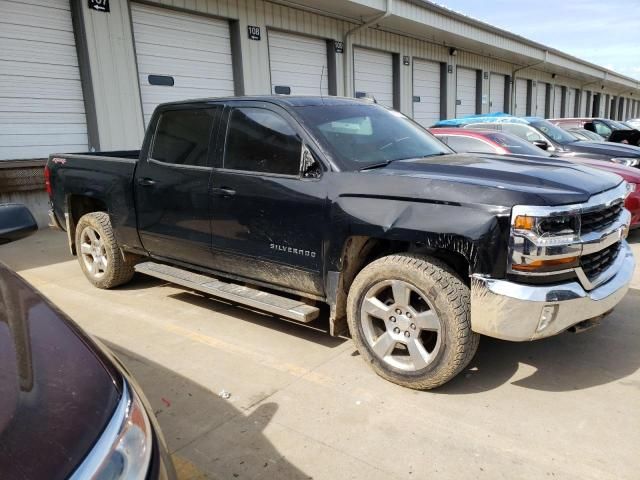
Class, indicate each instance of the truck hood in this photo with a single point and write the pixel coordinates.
(502, 180)
(57, 393)
(607, 149)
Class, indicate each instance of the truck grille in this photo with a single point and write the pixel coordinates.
(600, 219)
(596, 263)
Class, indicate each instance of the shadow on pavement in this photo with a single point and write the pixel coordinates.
(206, 435)
(43, 248)
(605, 354)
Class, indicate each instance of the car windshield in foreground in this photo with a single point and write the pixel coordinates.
(555, 133)
(365, 136)
(516, 145)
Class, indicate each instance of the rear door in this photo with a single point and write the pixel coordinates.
(268, 222)
(172, 184)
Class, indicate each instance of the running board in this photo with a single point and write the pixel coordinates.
(268, 302)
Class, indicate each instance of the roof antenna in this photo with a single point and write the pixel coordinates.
(321, 77)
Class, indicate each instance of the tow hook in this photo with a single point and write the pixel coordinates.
(588, 324)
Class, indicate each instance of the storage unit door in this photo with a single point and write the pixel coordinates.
(426, 92)
(520, 109)
(496, 93)
(299, 63)
(41, 102)
(465, 92)
(180, 56)
(373, 75)
(541, 99)
(557, 102)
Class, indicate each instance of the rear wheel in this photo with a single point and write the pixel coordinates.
(409, 317)
(101, 260)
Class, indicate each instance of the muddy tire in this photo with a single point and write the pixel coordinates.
(410, 318)
(100, 258)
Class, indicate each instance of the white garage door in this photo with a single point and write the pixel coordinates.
(41, 102)
(192, 50)
(298, 62)
(571, 102)
(465, 92)
(373, 75)
(557, 102)
(521, 97)
(496, 93)
(426, 92)
(541, 99)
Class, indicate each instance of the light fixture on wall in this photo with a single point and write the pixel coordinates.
(553, 75)
(453, 51)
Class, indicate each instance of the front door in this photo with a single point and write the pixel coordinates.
(172, 185)
(268, 221)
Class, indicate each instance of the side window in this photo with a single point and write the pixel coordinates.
(259, 140)
(602, 129)
(523, 131)
(468, 144)
(182, 137)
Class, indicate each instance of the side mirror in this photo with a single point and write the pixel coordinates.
(541, 144)
(16, 222)
(309, 166)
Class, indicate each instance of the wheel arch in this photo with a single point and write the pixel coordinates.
(76, 207)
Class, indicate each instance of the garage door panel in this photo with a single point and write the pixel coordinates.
(465, 92)
(194, 50)
(541, 99)
(43, 88)
(373, 74)
(43, 34)
(38, 52)
(298, 62)
(557, 102)
(496, 92)
(520, 107)
(39, 81)
(426, 86)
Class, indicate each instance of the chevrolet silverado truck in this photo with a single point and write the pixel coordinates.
(284, 204)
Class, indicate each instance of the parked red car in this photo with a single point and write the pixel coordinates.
(491, 141)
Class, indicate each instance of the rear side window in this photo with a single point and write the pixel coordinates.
(259, 140)
(182, 137)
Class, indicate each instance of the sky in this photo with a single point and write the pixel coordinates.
(604, 32)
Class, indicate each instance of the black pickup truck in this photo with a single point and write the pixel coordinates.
(286, 203)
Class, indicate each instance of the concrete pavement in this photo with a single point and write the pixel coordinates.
(304, 405)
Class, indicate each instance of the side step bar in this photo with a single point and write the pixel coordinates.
(268, 302)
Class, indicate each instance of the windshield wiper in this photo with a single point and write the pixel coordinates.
(376, 165)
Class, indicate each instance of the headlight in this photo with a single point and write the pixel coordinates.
(544, 244)
(124, 449)
(629, 162)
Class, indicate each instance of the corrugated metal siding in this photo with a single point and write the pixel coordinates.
(41, 100)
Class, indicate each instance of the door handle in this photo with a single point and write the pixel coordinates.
(146, 182)
(223, 191)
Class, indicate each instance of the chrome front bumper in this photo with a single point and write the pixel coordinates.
(513, 311)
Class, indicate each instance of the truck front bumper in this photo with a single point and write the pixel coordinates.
(519, 312)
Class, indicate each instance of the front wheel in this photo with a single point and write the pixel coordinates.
(409, 316)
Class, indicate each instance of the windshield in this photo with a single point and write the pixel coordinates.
(513, 144)
(587, 135)
(359, 136)
(555, 133)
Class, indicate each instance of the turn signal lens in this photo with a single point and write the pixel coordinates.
(523, 222)
(546, 265)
